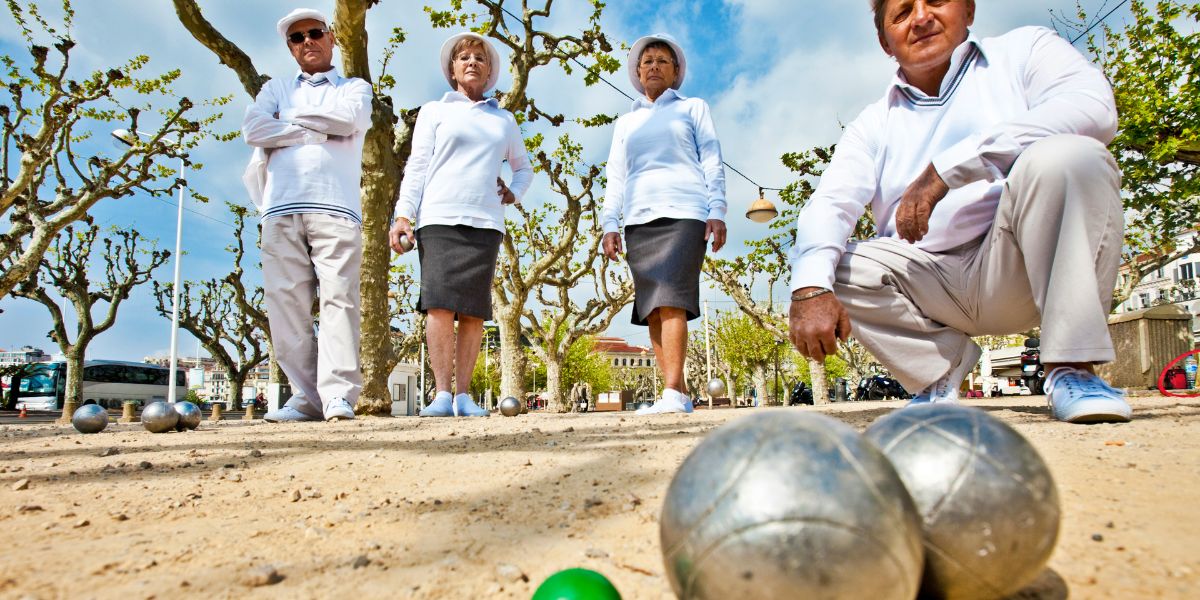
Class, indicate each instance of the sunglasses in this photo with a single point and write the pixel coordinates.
(312, 34)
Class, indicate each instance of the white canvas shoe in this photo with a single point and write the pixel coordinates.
(1076, 396)
(287, 414)
(442, 406)
(339, 409)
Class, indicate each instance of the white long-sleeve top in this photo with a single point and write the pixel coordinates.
(457, 149)
(314, 147)
(665, 161)
(1000, 95)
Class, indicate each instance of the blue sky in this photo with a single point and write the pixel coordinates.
(780, 75)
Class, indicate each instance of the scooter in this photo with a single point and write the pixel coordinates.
(801, 394)
(1033, 373)
(879, 387)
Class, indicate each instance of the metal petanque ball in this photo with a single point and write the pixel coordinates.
(189, 415)
(159, 417)
(510, 407)
(90, 418)
(716, 388)
(406, 244)
(789, 505)
(986, 499)
(576, 584)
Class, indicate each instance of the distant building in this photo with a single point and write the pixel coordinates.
(24, 356)
(621, 354)
(1174, 283)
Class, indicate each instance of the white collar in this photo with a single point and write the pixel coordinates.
(457, 96)
(331, 75)
(969, 49)
(669, 95)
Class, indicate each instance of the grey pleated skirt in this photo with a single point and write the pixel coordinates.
(458, 264)
(665, 256)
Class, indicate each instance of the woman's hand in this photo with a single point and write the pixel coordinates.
(715, 228)
(506, 195)
(610, 245)
(401, 229)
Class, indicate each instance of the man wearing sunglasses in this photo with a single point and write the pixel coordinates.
(307, 132)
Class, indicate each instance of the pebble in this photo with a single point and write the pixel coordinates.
(295, 495)
(1097, 537)
(21, 484)
(82, 523)
(110, 452)
(510, 573)
(145, 464)
(260, 576)
(596, 553)
(360, 561)
(256, 453)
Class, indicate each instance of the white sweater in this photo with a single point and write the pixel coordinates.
(1000, 95)
(665, 161)
(458, 146)
(313, 149)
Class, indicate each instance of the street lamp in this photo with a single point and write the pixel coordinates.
(761, 210)
(130, 138)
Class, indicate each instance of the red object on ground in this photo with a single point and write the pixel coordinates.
(1176, 379)
(1162, 378)
(24, 413)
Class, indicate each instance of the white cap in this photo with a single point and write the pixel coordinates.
(635, 54)
(493, 59)
(299, 14)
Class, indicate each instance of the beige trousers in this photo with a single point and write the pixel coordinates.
(1050, 258)
(304, 255)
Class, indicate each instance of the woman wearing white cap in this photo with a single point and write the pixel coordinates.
(453, 192)
(666, 184)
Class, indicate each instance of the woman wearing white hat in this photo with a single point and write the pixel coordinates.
(453, 192)
(666, 184)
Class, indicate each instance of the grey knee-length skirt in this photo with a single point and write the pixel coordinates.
(665, 256)
(458, 264)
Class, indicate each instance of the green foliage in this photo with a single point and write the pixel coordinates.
(1151, 62)
(194, 397)
(584, 365)
(744, 345)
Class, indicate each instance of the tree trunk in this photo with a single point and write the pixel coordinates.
(555, 401)
(758, 375)
(820, 387)
(234, 395)
(74, 391)
(380, 180)
(512, 356)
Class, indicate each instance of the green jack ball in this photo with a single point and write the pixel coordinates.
(576, 584)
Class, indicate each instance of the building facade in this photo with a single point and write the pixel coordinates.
(1173, 283)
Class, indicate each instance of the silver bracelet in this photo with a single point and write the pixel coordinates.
(810, 295)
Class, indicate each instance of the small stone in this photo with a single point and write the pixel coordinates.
(110, 452)
(120, 517)
(145, 464)
(596, 553)
(21, 484)
(82, 523)
(28, 508)
(569, 430)
(360, 561)
(1097, 537)
(256, 453)
(260, 576)
(295, 495)
(1110, 525)
(510, 573)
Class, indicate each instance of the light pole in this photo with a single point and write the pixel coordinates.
(129, 138)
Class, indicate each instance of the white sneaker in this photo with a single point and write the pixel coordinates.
(670, 402)
(442, 406)
(287, 414)
(946, 388)
(339, 409)
(1076, 396)
(464, 406)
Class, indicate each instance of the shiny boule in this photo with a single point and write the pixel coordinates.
(406, 243)
(987, 502)
(789, 505)
(510, 407)
(716, 387)
(189, 415)
(90, 418)
(159, 417)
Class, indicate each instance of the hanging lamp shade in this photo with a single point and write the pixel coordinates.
(761, 210)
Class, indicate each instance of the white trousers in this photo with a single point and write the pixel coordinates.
(1050, 258)
(304, 255)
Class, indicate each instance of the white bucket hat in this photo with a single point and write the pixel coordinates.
(493, 59)
(635, 54)
(299, 14)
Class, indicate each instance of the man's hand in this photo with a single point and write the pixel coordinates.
(506, 195)
(912, 215)
(401, 228)
(715, 228)
(610, 245)
(816, 324)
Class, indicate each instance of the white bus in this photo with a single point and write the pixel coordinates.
(109, 383)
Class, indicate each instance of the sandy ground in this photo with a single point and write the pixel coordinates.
(483, 508)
